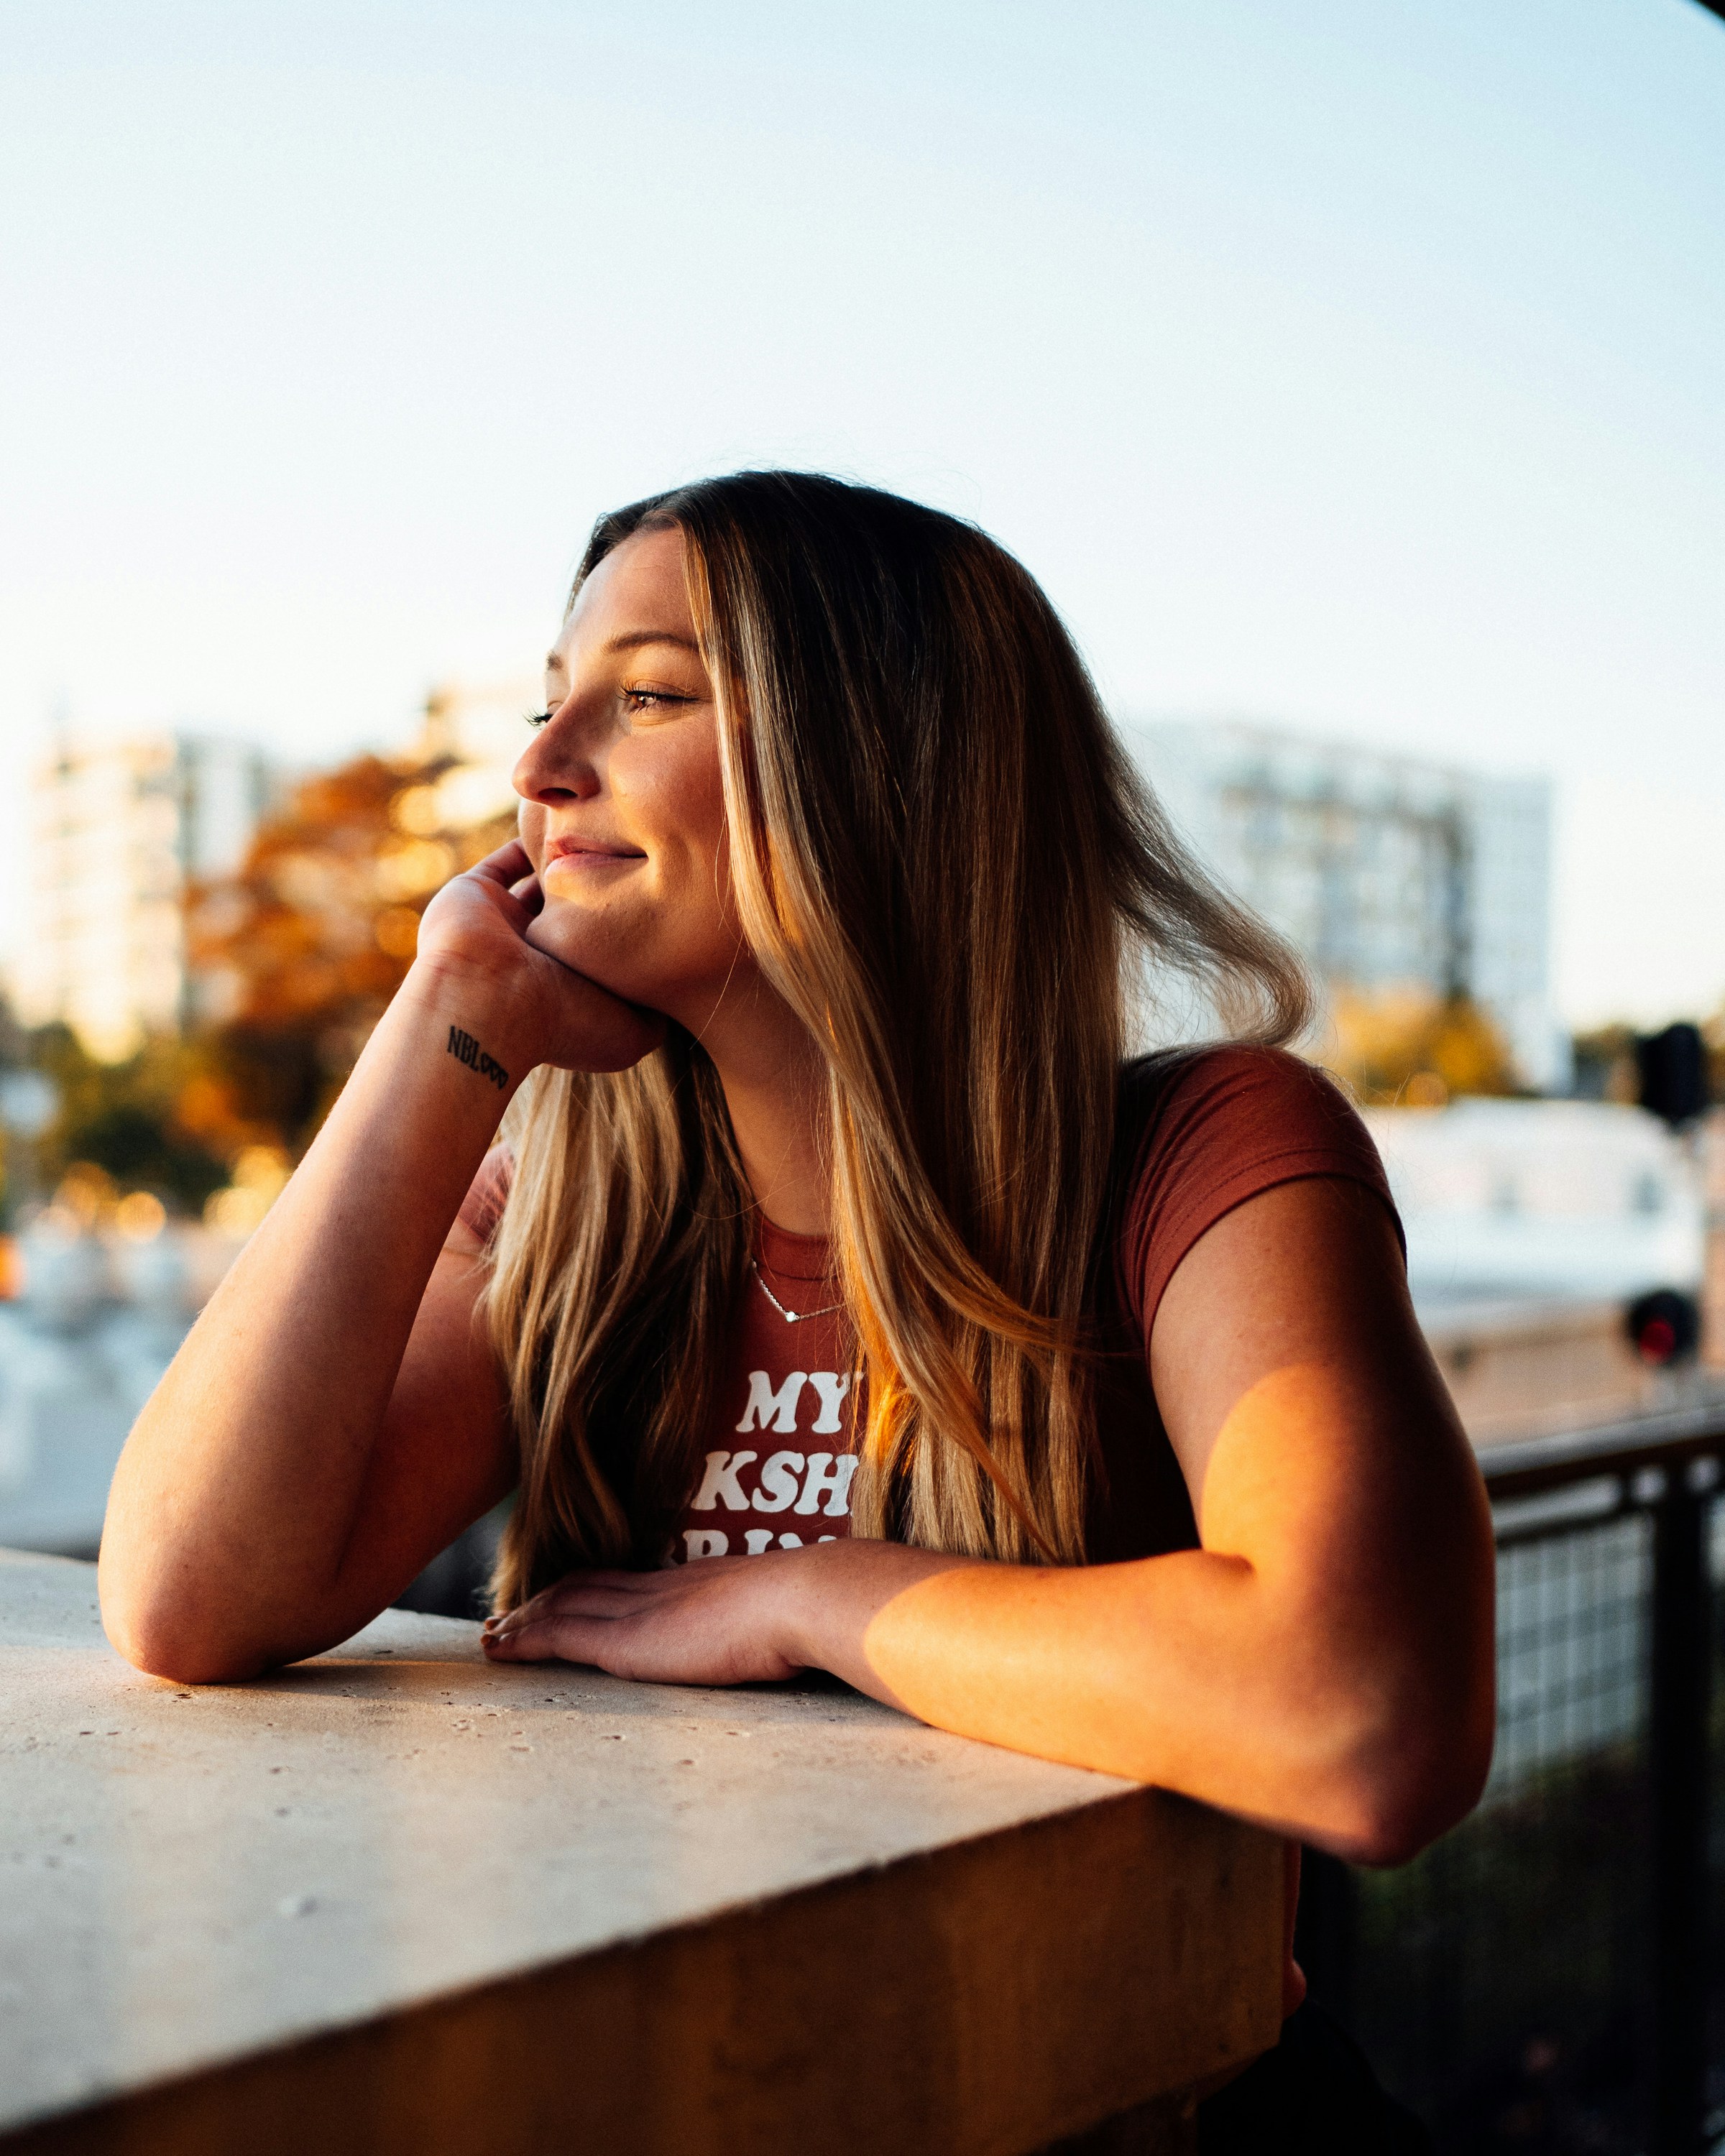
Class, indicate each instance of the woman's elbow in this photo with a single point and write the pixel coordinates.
(1420, 1773)
(1392, 1819)
(165, 1634)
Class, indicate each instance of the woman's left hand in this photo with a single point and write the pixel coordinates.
(721, 1620)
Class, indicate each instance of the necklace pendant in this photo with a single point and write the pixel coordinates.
(790, 1317)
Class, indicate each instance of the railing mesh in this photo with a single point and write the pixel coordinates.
(1502, 1983)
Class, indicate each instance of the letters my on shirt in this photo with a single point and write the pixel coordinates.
(805, 1484)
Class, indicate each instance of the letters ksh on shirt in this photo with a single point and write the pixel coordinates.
(805, 1484)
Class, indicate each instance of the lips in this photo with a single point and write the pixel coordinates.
(582, 852)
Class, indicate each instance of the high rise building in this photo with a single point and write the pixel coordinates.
(484, 732)
(1390, 875)
(118, 830)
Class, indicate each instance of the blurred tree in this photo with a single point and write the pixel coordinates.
(1415, 1050)
(298, 952)
(296, 957)
(122, 1118)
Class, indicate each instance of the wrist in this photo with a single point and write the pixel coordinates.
(830, 1592)
(802, 1581)
(467, 1004)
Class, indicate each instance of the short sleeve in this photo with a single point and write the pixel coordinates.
(488, 1193)
(1220, 1127)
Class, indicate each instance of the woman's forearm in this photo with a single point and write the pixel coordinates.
(1178, 1671)
(1304, 1709)
(1325, 1665)
(1188, 1671)
(236, 1494)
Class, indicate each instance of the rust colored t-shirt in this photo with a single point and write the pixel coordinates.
(1198, 1133)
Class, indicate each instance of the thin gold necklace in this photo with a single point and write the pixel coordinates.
(790, 1317)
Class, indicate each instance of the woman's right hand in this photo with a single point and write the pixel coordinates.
(475, 930)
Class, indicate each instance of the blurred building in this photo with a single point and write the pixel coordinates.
(485, 731)
(1389, 873)
(119, 829)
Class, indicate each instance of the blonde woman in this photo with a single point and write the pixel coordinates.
(843, 1297)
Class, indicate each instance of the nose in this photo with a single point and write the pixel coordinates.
(562, 761)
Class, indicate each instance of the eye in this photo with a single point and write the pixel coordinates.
(535, 718)
(651, 699)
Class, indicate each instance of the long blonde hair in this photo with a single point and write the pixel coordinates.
(946, 864)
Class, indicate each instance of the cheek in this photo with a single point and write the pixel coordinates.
(702, 941)
(680, 799)
(705, 895)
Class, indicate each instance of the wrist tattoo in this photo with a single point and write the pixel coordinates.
(466, 1049)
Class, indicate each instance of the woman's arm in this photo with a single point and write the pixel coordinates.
(333, 1418)
(1323, 1663)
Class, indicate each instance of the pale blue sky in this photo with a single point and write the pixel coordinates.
(1356, 366)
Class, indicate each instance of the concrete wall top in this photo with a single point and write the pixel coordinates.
(193, 1875)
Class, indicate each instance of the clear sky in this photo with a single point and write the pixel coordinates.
(1355, 366)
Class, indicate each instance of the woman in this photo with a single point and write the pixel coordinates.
(843, 1298)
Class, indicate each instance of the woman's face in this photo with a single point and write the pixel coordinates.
(622, 812)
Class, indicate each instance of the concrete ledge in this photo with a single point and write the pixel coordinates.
(398, 1900)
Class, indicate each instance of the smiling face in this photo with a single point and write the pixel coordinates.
(623, 809)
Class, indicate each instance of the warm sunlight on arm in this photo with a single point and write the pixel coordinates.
(1139, 1658)
(1322, 1664)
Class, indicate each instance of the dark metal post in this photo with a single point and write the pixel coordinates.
(1681, 1675)
(1324, 1930)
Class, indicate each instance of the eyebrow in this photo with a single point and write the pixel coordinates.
(634, 641)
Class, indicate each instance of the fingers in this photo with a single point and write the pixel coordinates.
(559, 1639)
(508, 866)
(596, 1597)
(619, 1640)
(601, 1603)
(612, 1621)
(590, 1594)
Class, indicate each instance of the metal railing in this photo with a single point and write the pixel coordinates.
(1551, 1976)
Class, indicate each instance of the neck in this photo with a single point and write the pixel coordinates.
(774, 1081)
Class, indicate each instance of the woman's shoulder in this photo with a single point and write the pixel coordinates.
(1200, 1130)
(1237, 1087)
